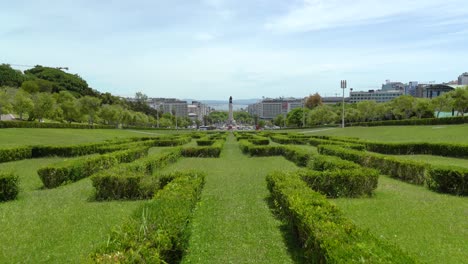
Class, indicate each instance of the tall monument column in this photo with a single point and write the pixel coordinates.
(231, 118)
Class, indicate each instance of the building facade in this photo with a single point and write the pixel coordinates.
(379, 96)
(170, 105)
(271, 108)
(463, 79)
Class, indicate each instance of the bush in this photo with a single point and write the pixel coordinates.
(158, 232)
(441, 149)
(325, 234)
(212, 151)
(319, 141)
(453, 180)
(205, 142)
(9, 186)
(299, 156)
(15, 153)
(133, 180)
(282, 139)
(355, 182)
(325, 162)
(256, 140)
(406, 170)
(61, 173)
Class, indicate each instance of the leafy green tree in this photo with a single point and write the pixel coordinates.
(261, 123)
(89, 106)
(279, 120)
(218, 117)
(423, 108)
(460, 100)
(442, 103)
(313, 101)
(402, 106)
(30, 87)
(5, 102)
(368, 110)
(165, 122)
(22, 103)
(44, 106)
(242, 117)
(111, 114)
(10, 77)
(296, 117)
(322, 115)
(69, 106)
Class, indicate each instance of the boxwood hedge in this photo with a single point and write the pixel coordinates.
(9, 186)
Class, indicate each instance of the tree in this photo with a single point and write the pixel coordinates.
(460, 100)
(423, 108)
(5, 104)
(279, 120)
(296, 117)
(442, 103)
(44, 106)
(89, 106)
(22, 103)
(402, 106)
(10, 77)
(367, 110)
(111, 114)
(322, 115)
(69, 106)
(30, 87)
(313, 101)
(242, 117)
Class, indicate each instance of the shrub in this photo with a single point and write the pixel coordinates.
(282, 139)
(299, 156)
(205, 142)
(133, 180)
(441, 149)
(406, 170)
(158, 232)
(212, 151)
(413, 122)
(319, 141)
(256, 140)
(61, 173)
(325, 234)
(453, 180)
(342, 183)
(9, 186)
(325, 162)
(15, 153)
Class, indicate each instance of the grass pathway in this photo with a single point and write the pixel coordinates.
(233, 223)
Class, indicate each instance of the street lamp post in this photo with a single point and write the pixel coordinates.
(303, 112)
(343, 86)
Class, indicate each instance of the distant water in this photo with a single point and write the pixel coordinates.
(225, 107)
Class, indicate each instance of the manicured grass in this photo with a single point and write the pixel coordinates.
(233, 222)
(54, 226)
(431, 226)
(42, 136)
(436, 160)
(443, 133)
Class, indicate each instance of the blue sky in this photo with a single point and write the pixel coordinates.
(211, 49)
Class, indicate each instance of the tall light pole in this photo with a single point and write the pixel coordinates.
(343, 86)
(303, 112)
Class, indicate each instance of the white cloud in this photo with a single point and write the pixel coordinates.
(322, 14)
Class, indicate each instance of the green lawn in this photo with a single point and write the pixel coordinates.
(431, 226)
(54, 226)
(233, 223)
(443, 133)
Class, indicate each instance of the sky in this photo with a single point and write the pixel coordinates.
(213, 49)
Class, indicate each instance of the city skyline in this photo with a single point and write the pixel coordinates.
(212, 49)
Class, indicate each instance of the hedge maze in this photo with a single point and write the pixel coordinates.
(327, 168)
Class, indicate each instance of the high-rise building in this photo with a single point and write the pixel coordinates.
(380, 96)
(170, 105)
(463, 79)
(271, 108)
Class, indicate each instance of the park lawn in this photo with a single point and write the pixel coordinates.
(232, 222)
(432, 227)
(59, 225)
(442, 133)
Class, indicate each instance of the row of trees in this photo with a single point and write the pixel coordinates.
(402, 107)
(65, 107)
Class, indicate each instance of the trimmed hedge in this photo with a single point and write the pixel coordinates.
(158, 232)
(9, 188)
(325, 234)
(61, 173)
(15, 153)
(212, 151)
(448, 180)
(283, 139)
(29, 124)
(205, 142)
(342, 183)
(414, 122)
(319, 141)
(439, 149)
(325, 162)
(133, 180)
(406, 170)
